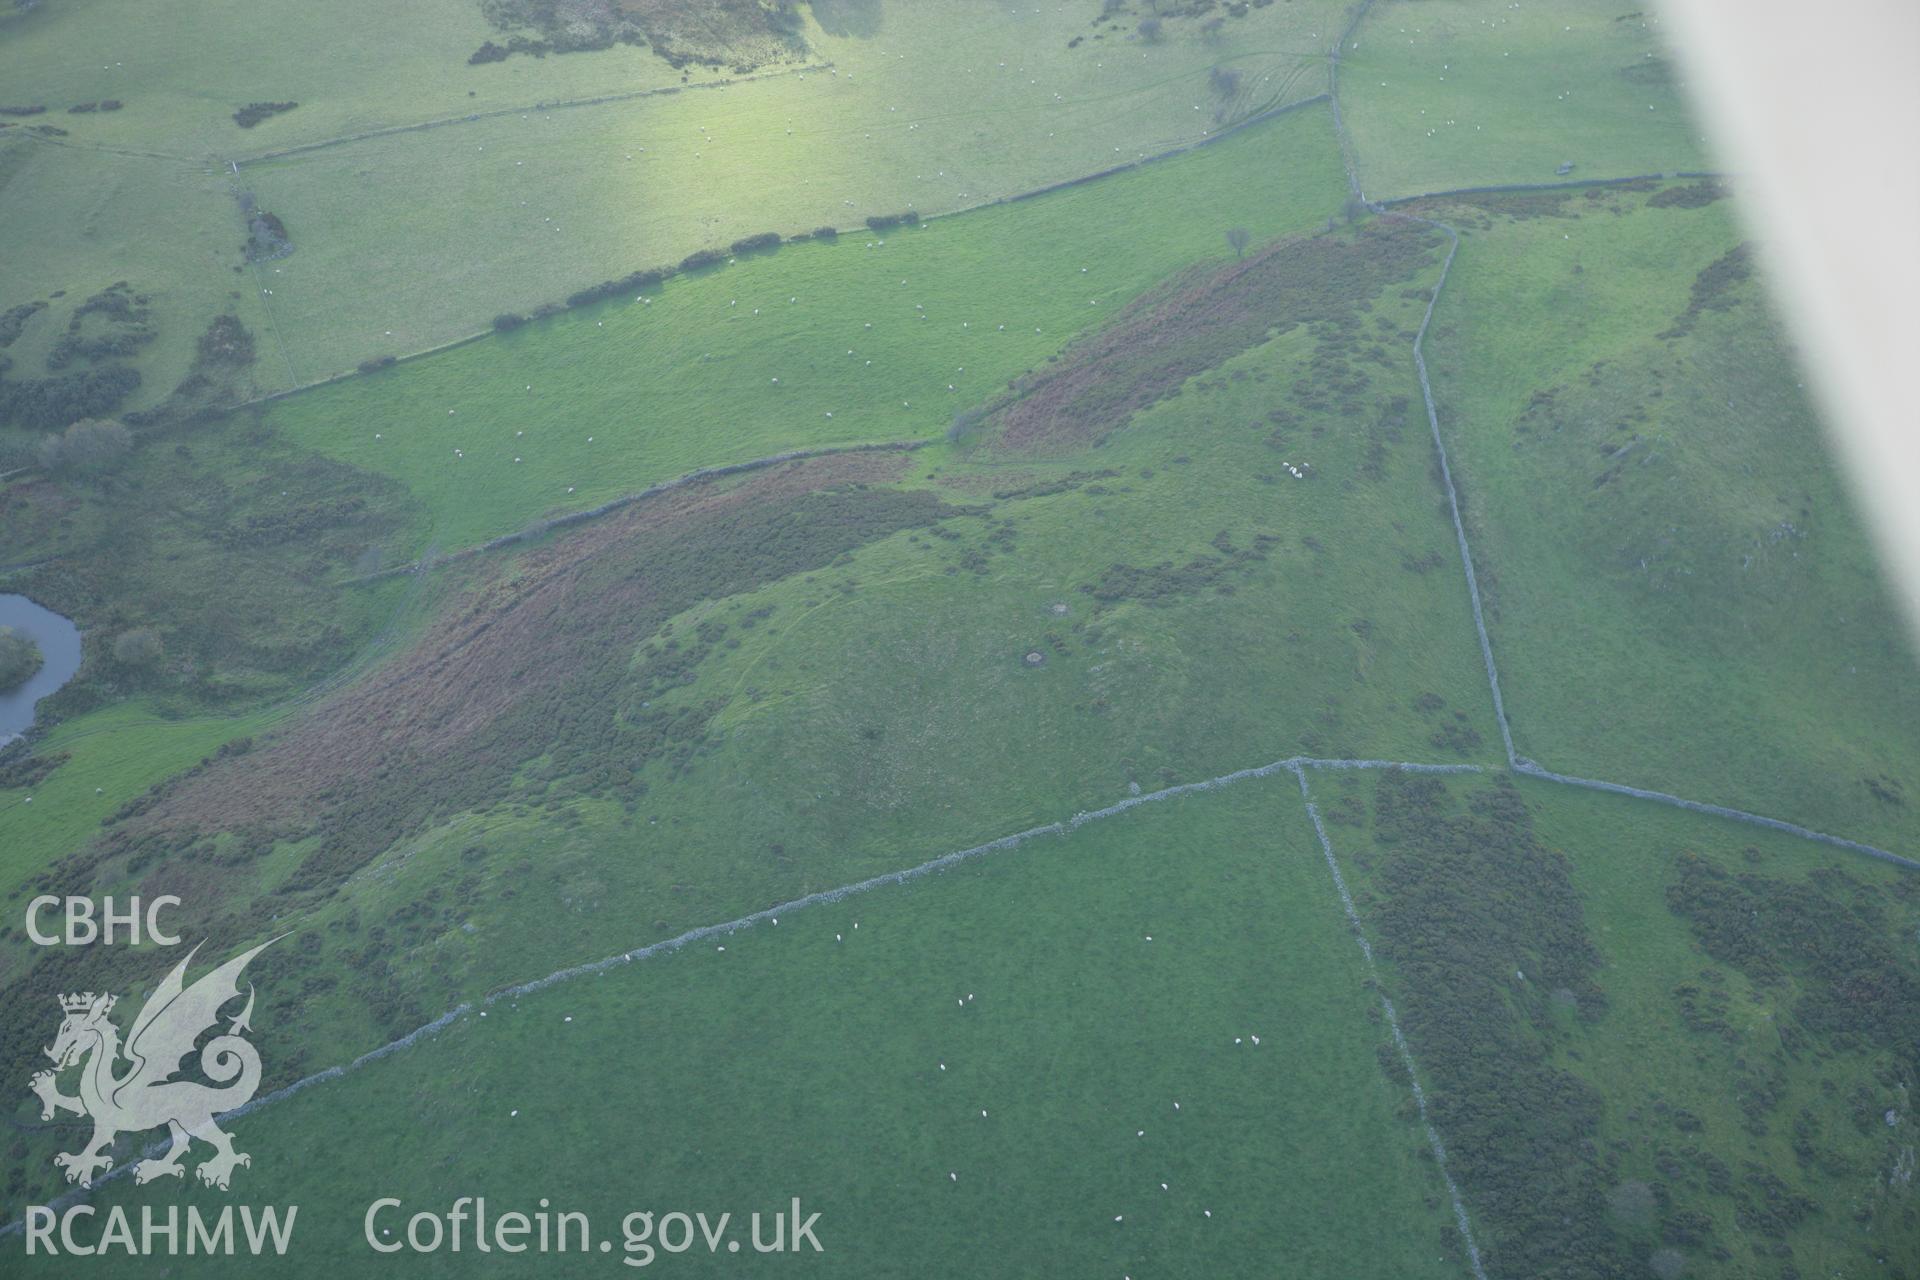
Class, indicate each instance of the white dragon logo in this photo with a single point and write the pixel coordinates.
(146, 1096)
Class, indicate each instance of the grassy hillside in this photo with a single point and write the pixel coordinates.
(1642, 470)
(1107, 489)
(792, 714)
(999, 1043)
(1713, 1024)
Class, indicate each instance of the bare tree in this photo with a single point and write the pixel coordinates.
(1237, 239)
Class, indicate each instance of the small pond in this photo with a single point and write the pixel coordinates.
(59, 642)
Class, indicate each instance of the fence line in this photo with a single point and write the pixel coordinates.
(660, 91)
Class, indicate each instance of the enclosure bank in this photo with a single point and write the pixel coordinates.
(83, 1231)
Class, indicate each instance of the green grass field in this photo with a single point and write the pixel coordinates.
(773, 352)
(1670, 501)
(1447, 93)
(1076, 1037)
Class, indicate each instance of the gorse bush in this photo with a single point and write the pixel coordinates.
(755, 244)
(254, 112)
(638, 281)
(140, 647)
(44, 404)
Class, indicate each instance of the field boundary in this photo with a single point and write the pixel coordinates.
(1291, 764)
(1495, 188)
(450, 344)
(1435, 1143)
(386, 131)
(541, 527)
(1519, 763)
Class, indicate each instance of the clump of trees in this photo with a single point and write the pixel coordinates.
(638, 280)
(14, 319)
(19, 658)
(507, 321)
(41, 404)
(254, 112)
(491, 52)
(226, 341)
(91, 446)
(1151, 29)
(755, 244)
(887, 221)
(267, 238)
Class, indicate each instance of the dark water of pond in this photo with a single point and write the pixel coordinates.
(59, 642)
